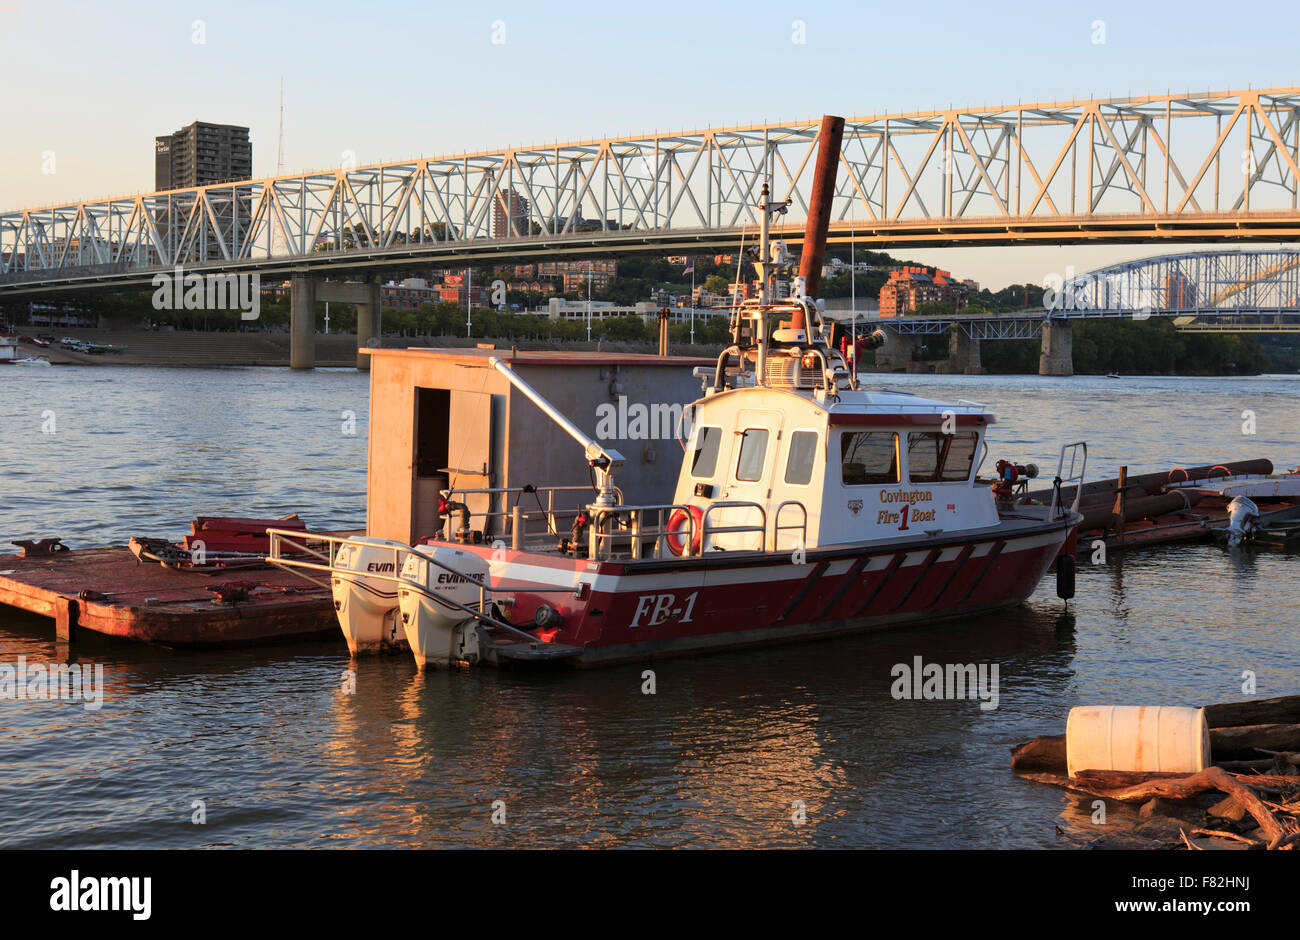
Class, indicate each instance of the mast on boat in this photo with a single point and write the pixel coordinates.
(800, 329)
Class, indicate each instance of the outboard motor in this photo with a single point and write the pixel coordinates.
(1243, 521)
(439, 632)
(367, 606)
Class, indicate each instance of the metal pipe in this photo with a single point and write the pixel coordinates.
(605, 462)
(819, 208)
(540, 401)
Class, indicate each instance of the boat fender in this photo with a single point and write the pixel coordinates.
(676, 537)
(1065, 577)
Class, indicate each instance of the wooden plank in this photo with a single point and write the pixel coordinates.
(65, 619)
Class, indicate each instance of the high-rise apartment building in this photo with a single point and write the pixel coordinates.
(510, 215)
(202, 154)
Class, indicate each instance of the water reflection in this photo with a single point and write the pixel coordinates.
(717, 757)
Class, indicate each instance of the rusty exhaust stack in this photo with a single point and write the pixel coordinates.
(819, 208)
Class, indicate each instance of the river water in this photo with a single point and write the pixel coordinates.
(725, 753)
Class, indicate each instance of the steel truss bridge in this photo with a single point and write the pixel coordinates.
(1208, 291)
(1191, 167)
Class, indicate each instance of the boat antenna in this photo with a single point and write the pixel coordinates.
(279, 149)
(765, 221)
(735, 307)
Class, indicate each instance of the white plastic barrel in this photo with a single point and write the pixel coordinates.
(1124, 737)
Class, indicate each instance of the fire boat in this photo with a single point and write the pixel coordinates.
(805, 506)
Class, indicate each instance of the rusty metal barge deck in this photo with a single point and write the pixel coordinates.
(106, 590)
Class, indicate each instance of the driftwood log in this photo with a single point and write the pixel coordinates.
(1245, 740)
(1284, 710)
(1045, 753)
(1183, 787)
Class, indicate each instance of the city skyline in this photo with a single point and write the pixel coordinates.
(518, 76)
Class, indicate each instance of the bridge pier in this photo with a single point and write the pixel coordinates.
(1057, 357)
(365, 298)
(302, 322)
(369, 331)
(896, 352)
(964, 353)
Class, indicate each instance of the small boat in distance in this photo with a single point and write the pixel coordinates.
(806, 506)
(1112, 375)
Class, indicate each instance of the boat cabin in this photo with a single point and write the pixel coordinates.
(866, 466)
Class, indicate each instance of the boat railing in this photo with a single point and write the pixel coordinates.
(298, 553)
(711, 530)
(1073, 473)
(514, 521)
(801, 526)
(641, 531)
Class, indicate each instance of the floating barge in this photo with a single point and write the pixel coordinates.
(108, 591)
(1181, 504)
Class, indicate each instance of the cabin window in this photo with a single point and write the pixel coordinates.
(799, 463)
(705, 460)
(940, 458)
(753, 447)
(868, 457)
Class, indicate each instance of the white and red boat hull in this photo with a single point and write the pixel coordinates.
(620, 611)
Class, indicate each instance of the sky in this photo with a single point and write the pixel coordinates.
(90, 84)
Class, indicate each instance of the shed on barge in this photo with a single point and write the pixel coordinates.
(446, 419)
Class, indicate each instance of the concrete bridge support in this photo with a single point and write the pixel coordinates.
(364, 296)
(302, 322)
(896, 352)
(1058, 349)
(964, 354)
(369, 330)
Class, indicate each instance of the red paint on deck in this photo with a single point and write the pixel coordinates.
(111, 593)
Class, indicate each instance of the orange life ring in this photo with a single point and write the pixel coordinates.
(674, 537)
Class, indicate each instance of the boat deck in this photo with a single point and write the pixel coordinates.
(106, 590)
